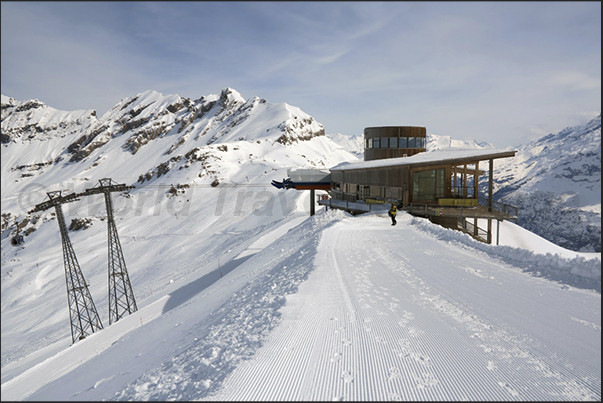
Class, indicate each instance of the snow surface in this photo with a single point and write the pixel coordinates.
(431, 156)
(336, 307)
(242, 295)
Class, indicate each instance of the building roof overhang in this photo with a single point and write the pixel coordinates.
(448, 156)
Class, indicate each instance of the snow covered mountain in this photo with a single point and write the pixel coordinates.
(241, 295)
(437, 142)
(556, 183)
(200, 168)
(354, 144)
(215, 139)
(555, 180)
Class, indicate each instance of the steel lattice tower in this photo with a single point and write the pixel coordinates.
(121, 296)
(82, 311)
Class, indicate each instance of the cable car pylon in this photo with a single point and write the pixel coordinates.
(121, 297)
(82, 311)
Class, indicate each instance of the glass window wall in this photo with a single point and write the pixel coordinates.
(395, 142)
(428, 185)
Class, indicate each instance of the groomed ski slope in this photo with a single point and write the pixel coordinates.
(392, 314)
(335, 307)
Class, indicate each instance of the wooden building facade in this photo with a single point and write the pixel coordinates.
(441, 185)
(393, 141)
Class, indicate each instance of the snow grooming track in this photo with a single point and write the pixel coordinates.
(386, 316)
(234, 331)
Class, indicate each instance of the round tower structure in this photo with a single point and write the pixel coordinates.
(393, 141)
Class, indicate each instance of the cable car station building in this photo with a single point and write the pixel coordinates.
(441, 185)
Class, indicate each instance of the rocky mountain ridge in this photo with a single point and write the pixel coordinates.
(556, 183)
(218, 138)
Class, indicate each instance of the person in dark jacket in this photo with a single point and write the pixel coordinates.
(392, 213)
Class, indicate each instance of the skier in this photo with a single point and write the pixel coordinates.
(392, 213)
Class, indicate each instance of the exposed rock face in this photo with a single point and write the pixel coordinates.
(299, 130)
(556, 183)
(547, 215)
(43, 146)
(33, 120)
(150, 115)
(80, 223)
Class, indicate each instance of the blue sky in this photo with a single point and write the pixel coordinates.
(501, 72)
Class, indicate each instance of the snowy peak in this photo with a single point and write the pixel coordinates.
(215, 118)
(436, 142)
(354, 144)
(573, 137)
(231, 97)
(556, 183)
(216, 138)
(33, 120)
(567, 161)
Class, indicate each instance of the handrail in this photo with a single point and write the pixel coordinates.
(499, 206)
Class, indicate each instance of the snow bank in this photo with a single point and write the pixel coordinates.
(578, 271)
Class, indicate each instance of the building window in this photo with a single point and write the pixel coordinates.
(428, 185)
(395, 142)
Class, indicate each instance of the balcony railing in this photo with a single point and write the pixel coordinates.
(458, 191)
(499, 206)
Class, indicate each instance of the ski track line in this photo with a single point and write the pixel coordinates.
(371, 362)
(379, 360)
(412, 339)
(507, 348)
(238, 327)
(334, 353)
(283, 368)
(417, 370)
(579, 372)
(447, 308)
(438, 358)
(427, 379)
(536, 357)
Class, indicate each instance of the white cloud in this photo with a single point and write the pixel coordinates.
(576, 80)
(348, 63)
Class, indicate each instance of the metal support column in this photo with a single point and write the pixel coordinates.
(490, 198)
(121, 297)
(82, 311)
(312, 202)
(490, 184)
